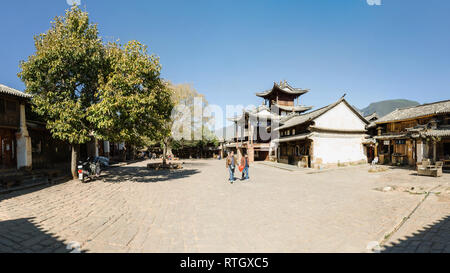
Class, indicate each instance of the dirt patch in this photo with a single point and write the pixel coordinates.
(411, 190)
(443, 198)
(378, 169)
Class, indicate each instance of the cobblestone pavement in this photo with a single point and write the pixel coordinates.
(428, 229)
(133, 209)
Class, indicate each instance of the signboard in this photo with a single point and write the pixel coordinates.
(386, 142)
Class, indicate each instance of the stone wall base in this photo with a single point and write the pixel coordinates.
(337, 165)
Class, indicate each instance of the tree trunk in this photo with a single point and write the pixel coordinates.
(133, 152)
(96, 149)
(165, 154)
(124, 154)
(73, 163)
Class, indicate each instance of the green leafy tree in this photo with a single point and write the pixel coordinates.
(134, 104)
(63, 75)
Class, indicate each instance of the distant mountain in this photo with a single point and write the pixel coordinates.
(385, 107)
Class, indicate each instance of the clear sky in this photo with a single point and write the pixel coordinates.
(231, 49)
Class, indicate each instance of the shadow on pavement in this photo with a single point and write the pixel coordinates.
(23, 236)
(26, 189)
(144, 175)
(434, 238)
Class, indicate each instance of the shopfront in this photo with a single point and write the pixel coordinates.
(8, 145)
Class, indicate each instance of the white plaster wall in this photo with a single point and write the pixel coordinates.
(341, 117)
(334, 148)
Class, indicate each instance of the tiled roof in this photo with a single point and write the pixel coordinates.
(300, 119)
(371, 125)
(438, 133)
(372, 116)
(443, 131)
(369, 141)
(293, 138)
(441, 107)
(390, 136)
(284, 87)
(13, 92)
(257, 112)
(298, 108)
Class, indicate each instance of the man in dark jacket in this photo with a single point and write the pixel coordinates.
(231, 165)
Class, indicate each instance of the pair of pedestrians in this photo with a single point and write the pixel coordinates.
(231, 166)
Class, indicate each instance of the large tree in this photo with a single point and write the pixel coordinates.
(134, 103)
(63, 75)
(188, 119)
(85, 89)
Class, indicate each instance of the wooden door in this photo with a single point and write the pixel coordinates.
(370, 154)
(7, 149)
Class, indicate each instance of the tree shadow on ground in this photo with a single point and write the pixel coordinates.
(434, 238)
(144, 175)
(24, 236)
(18, 191)
(194, 164)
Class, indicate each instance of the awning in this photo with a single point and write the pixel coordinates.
(293, 138)
(387, 137)
(437, 133)
(369, 141)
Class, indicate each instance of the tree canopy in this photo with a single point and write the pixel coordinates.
(133, 101)
(63, 75)
(85, 88)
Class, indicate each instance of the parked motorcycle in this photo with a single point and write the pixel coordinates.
(89, 169)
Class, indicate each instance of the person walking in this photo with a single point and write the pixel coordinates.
(231, 165)
(245, 163)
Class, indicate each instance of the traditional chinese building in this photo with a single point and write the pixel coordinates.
(14, 137)
(252, 129)
(370, 142)
(409, 135)
(326, 137)
(25, 141)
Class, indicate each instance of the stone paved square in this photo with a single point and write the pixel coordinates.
(132, 209)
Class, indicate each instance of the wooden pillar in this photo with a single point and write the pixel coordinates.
(390, 152)
(376, 149)
(434, 151)
(311, 154)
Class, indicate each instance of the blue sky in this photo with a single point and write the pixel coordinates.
(231, 49)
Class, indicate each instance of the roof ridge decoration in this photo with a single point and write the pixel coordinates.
(284, 87)
(13, 92)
